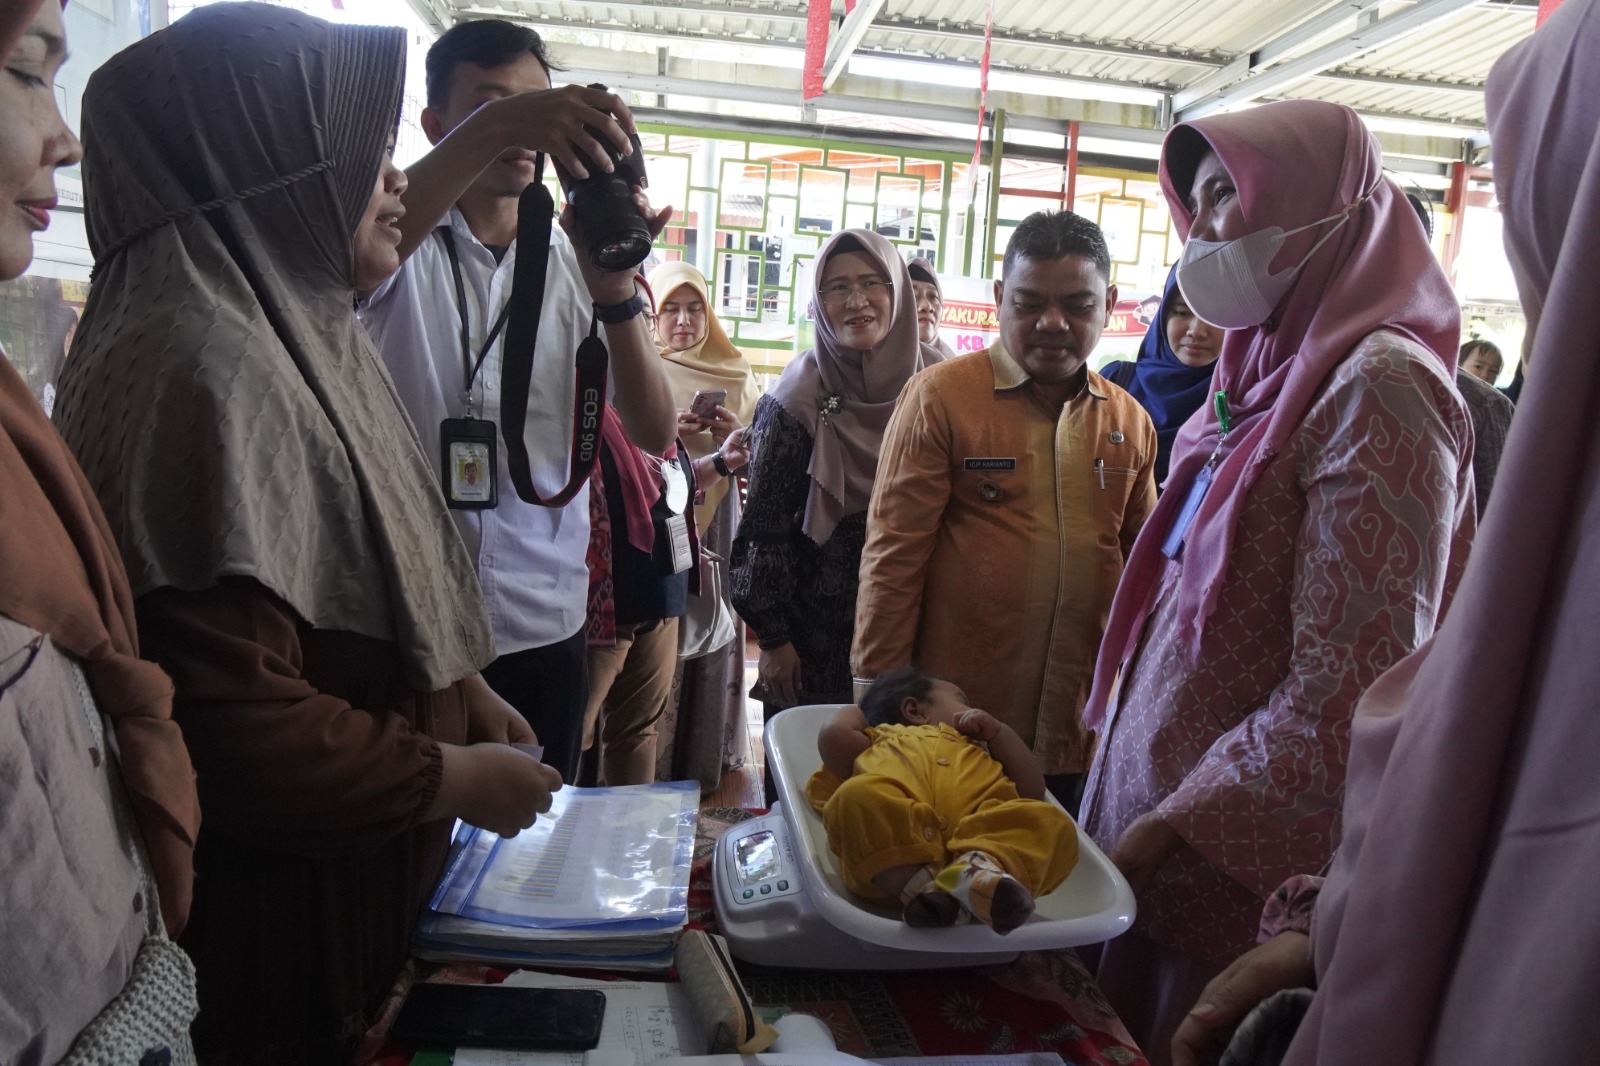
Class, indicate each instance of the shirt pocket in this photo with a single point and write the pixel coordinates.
(1112, 481)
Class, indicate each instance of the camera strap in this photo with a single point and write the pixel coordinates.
(535, 216)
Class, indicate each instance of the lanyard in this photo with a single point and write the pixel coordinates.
(1224, 425)
(1178, 532)
(469, 365)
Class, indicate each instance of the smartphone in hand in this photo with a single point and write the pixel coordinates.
(536, 1019)
(706, 402)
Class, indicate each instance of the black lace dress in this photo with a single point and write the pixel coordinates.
(789, 589)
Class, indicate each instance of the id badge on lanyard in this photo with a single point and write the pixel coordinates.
(469, 455)
(1172, 545)
(469, 463)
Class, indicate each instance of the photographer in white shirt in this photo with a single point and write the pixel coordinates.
(490, 110)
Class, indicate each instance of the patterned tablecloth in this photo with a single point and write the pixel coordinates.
(1043, 1001)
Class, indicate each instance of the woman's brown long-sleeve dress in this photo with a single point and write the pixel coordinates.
(315, 764)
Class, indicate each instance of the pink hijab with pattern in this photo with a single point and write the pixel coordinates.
(1459, 921)
(1292, 162)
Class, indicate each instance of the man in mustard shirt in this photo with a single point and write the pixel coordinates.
(1010, 488)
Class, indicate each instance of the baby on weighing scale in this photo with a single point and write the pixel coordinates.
(938, 808)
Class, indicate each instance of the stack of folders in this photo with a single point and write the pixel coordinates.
(601, 881)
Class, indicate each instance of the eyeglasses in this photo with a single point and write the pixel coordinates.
(651, 319)
(840, 293)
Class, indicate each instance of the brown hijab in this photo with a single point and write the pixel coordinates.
(862, 387)
(224, 402)
(62, 576)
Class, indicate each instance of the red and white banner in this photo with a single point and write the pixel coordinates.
(818, 17)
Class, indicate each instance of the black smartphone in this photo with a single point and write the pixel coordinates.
(530, 1019)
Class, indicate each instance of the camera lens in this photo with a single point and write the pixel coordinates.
(621, 251)
(617, 235)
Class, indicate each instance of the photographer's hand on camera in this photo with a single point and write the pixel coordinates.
(510, 128)
(552, 121)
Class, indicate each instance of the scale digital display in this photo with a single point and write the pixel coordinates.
(757, 856)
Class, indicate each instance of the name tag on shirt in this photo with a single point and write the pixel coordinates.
(989, 464)
(1173, 545)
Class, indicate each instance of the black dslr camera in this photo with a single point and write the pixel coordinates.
(617, 234)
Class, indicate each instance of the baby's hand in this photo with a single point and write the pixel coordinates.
(980, 725)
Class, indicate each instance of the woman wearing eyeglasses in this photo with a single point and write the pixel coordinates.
(815, 442)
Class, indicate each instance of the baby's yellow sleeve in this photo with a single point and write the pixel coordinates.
(820, 789)
(824, 783)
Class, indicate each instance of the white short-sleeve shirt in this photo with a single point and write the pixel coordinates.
(531, 560)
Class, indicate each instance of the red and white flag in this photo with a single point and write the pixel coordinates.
(983, 99)
(818, 15)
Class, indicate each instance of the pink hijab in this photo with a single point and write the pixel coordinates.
(1293, 163)
(844, 452)
(1459, 921)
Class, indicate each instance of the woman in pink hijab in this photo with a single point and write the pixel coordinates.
(1458, 924)
(1309, 537)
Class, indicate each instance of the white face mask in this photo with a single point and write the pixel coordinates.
(1227, 284)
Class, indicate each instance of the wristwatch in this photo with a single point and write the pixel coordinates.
(618, 313)
(720, 465)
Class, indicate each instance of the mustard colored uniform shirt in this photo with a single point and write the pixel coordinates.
(996, 536)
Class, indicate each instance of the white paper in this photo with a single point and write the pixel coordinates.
(652, 1019)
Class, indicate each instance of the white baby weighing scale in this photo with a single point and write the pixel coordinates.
(781, 902)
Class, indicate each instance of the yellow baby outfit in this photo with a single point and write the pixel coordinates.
(926, 794)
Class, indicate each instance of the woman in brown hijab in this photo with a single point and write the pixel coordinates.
(295, 568)
(86, 730)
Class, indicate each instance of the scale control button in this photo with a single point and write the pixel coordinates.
(749, 893)
(783, 886)
(766, 890)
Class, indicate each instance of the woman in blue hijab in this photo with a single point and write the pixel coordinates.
(1171, 377)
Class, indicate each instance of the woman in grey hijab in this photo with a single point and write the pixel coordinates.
(294, 566)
